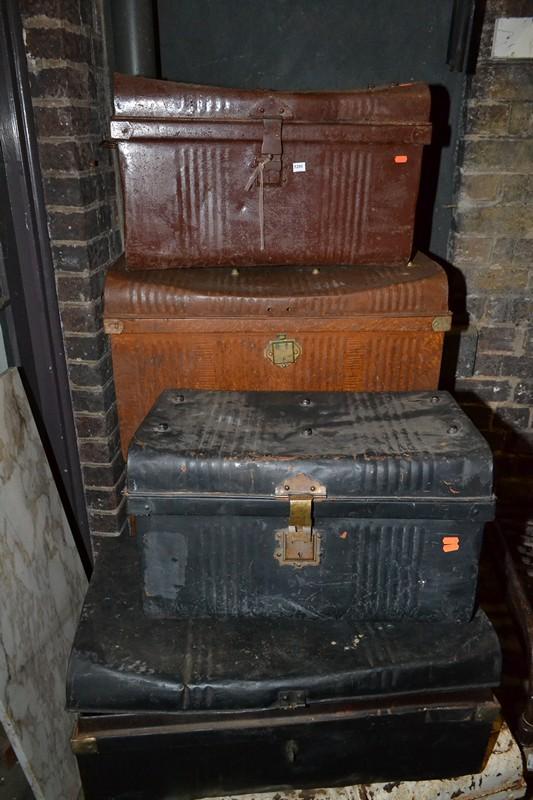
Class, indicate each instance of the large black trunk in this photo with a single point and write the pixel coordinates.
(182, 709)
(139, 758)
(321, 506)
(123, 661)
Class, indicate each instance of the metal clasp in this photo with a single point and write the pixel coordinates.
(272, 146)
(272, 111)
(298, 545)
(283, 351)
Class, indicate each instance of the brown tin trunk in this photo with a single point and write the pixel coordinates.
(298, 329)
(216, 177)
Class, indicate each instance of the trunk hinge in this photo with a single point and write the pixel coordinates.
(298, 545)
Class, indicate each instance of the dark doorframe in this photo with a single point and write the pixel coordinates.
(29, 275)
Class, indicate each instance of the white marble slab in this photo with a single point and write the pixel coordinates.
(502, 779)
(42, 585)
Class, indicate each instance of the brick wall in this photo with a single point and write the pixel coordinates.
(492, 245)
(71, 98)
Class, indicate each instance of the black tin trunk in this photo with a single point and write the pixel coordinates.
(323, 506)
(190, 708)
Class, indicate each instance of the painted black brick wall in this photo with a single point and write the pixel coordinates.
(71, 98)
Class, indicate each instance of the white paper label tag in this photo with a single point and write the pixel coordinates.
(298, 166)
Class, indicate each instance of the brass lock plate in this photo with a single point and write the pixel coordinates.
(297, 549)
(283, 351)
(298, 545)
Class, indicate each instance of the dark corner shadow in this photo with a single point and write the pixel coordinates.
(431, 159)
(475, 36)
(506, 569)
(510, 450)
(502, 556)
(457, 303)
(157, 39)
(431, 164)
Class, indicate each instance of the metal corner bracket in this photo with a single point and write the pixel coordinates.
(84, 745)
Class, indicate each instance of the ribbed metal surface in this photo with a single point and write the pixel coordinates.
(164, 353)
(369, 569)
(353, 203)
(387, 570)
(381, 650)
(344, 194)
(203, 197)
(359, 444)
(333, 291)
(145, 98)
(405, 357)
(199, 212)
(124, 661)
(302, 291)
(380, 577)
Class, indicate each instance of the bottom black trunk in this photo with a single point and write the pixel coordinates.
(184, 756)
(189, 708)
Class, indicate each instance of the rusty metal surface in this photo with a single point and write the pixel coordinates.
(501, 779)
(418, 288)
(146, 98)
(216, 177)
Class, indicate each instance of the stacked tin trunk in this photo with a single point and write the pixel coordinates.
(299, 591)
(246, 214)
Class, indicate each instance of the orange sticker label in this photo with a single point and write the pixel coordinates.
(400, 159)
(450, 543)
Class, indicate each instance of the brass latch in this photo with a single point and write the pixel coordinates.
(283, 350)
(298, 545)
